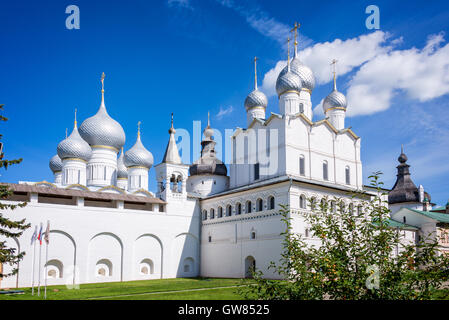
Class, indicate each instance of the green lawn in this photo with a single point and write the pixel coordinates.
(166, 289)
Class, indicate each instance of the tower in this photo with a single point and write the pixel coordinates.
(288, 87)
(171, 173)
(74, 153)
(335, 104)
(256, 102)
(138, 161)
(208, 175)
(106, 137)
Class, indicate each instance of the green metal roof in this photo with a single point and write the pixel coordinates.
(441, 217)
(438, 209)
(396, 224)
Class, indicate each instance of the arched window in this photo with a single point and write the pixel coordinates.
(359, 210)
(270, 203)
(302, 202)
(323, 204)
(306, 233)
(348, 175)
(351, 209)
(253, 235)
(212, 213)
(238, 208)
(313, 203)
(333, 207)
(228, 210)
(220, 212)
(325, 171)
(249, 206)
(259, 204)
(204, 214)
(301, 107)
(302, 165)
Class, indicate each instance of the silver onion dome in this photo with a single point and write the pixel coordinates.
(74, 147)
(102, 130)
(303, 72)
(122, 171)
(288, 81)
(138, 155)
(335, 99)
(55, 164)
(256, 99)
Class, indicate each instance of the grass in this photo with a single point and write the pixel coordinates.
(160, 289)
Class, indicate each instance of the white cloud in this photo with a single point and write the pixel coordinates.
(263, 23)
(222, 112)
(421, 74)
(380, 70)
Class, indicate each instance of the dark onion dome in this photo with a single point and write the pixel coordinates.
(208, 164)
(101, 129)
(138, 155)
(288, 82)
(256, 99)
(74, 147)
(335, 100)
(122, 171)
(404, 190)
(55, 164)
(303, 72)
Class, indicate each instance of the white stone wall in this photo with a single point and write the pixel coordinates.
(84, 240)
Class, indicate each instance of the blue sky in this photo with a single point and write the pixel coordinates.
(194, 56)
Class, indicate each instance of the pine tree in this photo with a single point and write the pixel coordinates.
(9, 228)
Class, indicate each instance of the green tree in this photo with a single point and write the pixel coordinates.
(359, 256)
(9, 228)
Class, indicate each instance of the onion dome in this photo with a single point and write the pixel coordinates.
(138, 155)
(303, 72)
(208, 163)
(288, 82)
(335, 99)
(300, 69)
(122, 171)
(101, 129)
(55, 164)
(256, 98)
(74, 146)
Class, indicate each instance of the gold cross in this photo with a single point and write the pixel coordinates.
(295, 30)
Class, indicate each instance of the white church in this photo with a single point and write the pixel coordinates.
(204, 219)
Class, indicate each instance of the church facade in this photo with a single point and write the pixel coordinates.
(202, 220)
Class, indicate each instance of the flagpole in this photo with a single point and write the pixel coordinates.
(46, 275)
(39, 276)
(32, 268)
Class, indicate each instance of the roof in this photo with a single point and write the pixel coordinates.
(81, 193)
(396, 224)
(441, 217)
(404, 190)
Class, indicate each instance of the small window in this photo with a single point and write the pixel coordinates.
(351, 209)
(301, 108)
(253, 235)
(302, 202)
(238, 208)
(271, 203)
(212, 213)
(348, 175)
(302, 165)
(306, 233)
(205, 215)
(259, 204)
(359, 210)
(220, 212)
(210, 239)
(333, 207)
(256, 171)
(248, 207)
(228, 210)
(325, 171)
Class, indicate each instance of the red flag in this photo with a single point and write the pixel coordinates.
(39, 237)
